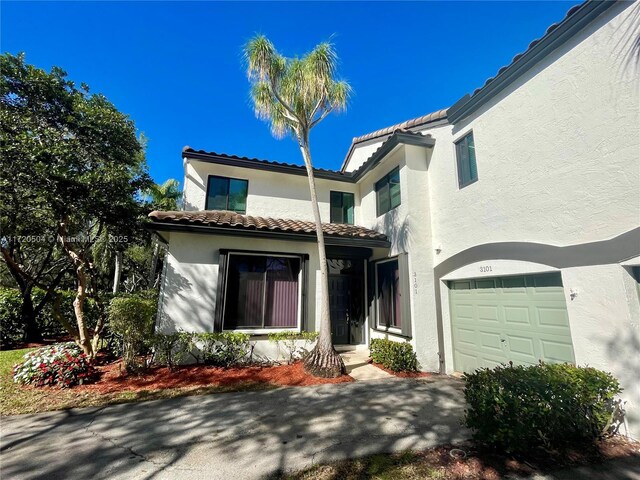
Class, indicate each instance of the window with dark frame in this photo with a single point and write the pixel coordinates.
(388, 192)
(262, 292)
(466, 159)
(225, 193)
(389, 303)
(342, 205)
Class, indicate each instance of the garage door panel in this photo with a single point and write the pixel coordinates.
(521, 345)
(488, 284)
(467, 362)
(491, 341)
(467, 337)
(557, 350)
(521, 319)
(552, 317)
(517, 314)
(488, 313)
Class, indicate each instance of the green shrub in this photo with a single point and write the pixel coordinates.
(224, 349)
(217, 349)
(62, 364)
(396, 356)
(11, 328)
(132, 318)
(517, 408)
(290, 343)
(171, 349)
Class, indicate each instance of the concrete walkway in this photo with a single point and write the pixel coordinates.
(245, 435)
(358, 366)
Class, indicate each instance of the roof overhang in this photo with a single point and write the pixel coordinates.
(396, 138)
(256, 164)
(330, 240)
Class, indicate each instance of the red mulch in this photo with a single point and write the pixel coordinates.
(487, 465)
(113, 380)
(404, 374)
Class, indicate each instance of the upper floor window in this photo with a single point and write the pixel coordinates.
(388, 191)
(342, 207)
(227, 194)
(466, 156)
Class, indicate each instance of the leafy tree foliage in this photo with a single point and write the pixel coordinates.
(73, 168)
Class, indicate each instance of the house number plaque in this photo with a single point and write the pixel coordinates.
(415, 283)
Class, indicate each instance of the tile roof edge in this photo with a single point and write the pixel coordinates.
(576, 18)
(412, 123)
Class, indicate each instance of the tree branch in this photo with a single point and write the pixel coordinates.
(321, 117)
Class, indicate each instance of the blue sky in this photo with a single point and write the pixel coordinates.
(176, 68)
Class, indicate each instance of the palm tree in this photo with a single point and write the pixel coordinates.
(293, 95)
(162, 197)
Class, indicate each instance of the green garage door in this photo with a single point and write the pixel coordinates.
(521, 319)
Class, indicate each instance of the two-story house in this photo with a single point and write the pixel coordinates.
(505, 228)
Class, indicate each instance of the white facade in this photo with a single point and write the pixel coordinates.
(558, 190)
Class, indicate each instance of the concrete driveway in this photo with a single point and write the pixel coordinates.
(234, 435)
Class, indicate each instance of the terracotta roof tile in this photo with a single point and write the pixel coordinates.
(233, 220)
(404, 126)
(551, 28)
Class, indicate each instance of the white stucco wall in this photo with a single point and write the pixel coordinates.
(269, 194)
(558, 152)
(558, 158)
(191, 277)
(606, 329)
(408, 229)
(361, 154)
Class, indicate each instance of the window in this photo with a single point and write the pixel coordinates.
(342, 207)
(262, 292)
(466, 156)
(388, 191)
(227, 194)
(389, 301)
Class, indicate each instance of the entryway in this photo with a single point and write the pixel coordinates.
(346, 301)
(357, 362)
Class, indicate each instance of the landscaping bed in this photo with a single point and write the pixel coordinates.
(112, 386)
(403, 374)
(463, 462)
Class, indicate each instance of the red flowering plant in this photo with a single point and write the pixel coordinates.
(61, 364)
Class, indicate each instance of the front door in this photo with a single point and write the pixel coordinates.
(339, 308)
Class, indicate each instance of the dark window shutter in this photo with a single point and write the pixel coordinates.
(305, 294)
(222, 276)
(405, 293)
(371, 294)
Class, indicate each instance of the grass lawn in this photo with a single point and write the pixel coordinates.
(156, 383)
(439, 464)
(16, 399)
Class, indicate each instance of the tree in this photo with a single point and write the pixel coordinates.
(294, 95)
(162, 197)
(75, 166)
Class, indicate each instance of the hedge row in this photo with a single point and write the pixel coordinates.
(517, 408)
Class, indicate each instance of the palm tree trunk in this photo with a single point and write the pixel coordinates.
(323, 360)
(118, 272)
(154, 263)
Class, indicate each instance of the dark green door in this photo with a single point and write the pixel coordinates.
(522, 319)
